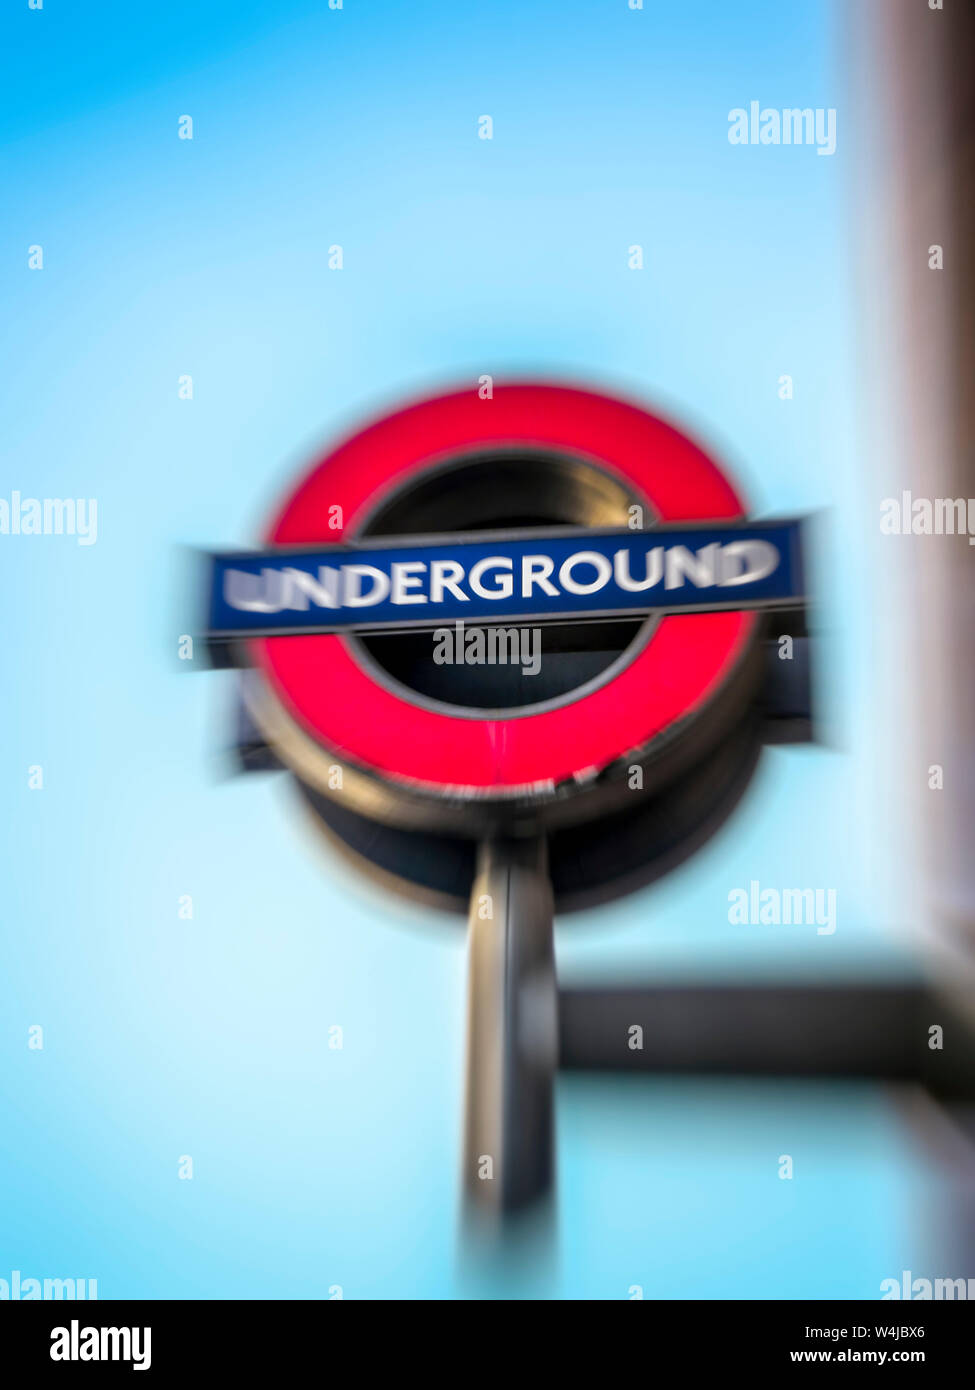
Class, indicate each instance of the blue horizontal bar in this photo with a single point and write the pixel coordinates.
(544, 575)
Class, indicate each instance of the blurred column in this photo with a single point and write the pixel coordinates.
(912, 82)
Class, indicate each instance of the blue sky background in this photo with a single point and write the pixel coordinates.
(163, 257)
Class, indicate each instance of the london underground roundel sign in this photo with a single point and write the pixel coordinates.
(545, 510)
(512, 651)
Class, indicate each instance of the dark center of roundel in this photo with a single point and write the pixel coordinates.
(518, 488)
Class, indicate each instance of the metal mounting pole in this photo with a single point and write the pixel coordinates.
(512, 1030)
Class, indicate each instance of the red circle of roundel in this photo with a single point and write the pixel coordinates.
(337, 702)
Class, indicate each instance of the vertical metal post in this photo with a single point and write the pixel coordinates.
(512, 1031)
